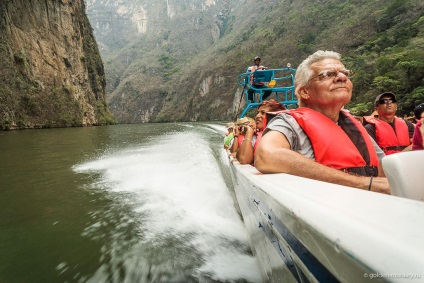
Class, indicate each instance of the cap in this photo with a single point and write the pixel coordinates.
(389, 94)
(418, 111)
(242, 121)
(257, 57)
(230, 125)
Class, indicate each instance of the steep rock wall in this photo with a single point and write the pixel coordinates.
(52, 74)
(178, 60)
(148, 49)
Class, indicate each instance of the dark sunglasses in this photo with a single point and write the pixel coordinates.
(387, 100)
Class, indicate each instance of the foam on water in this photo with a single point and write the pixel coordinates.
(182, 191)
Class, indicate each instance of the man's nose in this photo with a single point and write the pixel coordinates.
(340, 76)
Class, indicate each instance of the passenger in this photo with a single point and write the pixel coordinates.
(229, 137)
(392, 134)
(319, 140)
(251, 93)
(242, 125)
(411, 119)
(417, 139)
(246, 152)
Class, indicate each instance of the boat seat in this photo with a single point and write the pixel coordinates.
(404, 172)
(262, 76)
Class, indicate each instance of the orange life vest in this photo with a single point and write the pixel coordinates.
(240, 139)
(390, 140)
(258, 138)
(346, 146)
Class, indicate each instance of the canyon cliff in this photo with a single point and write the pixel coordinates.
(178, 60)
(156, 58)
(51, 71)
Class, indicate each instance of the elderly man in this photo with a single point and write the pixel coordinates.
(319, 140)
(391, 133)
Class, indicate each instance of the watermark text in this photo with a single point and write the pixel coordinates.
(379, 275)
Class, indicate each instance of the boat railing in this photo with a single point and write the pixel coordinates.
(278, 81)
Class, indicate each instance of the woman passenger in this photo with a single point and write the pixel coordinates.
(417, 139)
(242, 126)
(246, 151)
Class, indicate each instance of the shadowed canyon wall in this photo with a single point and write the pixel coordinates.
(51, 71)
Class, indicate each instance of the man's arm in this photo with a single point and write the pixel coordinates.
(273, 155)
(411, 129)
(380, 156)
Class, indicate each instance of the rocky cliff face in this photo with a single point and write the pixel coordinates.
(52, 74)
(119, 22)
(151, 50)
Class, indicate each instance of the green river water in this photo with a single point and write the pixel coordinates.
(124, 203)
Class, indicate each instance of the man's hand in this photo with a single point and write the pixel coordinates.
(408, 148)
(380, 185)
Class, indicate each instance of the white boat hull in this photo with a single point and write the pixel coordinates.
(304, 230)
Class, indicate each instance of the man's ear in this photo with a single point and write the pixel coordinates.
(303, 92)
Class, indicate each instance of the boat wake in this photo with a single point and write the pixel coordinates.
(182, 218)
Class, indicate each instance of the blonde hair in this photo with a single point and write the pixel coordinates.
(252, 122)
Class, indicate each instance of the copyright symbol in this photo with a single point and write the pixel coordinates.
(365, 275)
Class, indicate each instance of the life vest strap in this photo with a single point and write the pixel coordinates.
(397, 147)
(366, 170)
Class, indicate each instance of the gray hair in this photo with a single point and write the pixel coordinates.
(304, 72)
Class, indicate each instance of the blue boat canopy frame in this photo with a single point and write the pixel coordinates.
(278, 81)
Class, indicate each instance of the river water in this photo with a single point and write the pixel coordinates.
(123, 203)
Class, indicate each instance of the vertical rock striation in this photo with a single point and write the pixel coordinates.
(51, 71)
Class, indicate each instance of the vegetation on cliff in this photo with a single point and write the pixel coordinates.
(169, 76)
(184, 65)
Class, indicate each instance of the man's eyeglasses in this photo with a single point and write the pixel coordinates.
(387, 100)
(332, 74)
